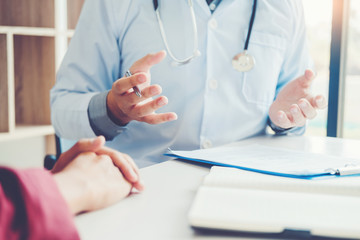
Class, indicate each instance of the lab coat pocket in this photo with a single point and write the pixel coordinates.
(259, 84)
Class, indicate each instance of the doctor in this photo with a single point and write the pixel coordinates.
(230, 68)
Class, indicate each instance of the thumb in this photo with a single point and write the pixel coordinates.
(144, 64)
(87, 145)
(307, 79)
(84, 145)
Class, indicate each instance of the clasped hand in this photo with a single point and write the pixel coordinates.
(91, 176)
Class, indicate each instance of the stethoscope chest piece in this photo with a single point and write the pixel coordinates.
(243, 62)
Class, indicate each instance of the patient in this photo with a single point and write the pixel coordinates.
(38, 204)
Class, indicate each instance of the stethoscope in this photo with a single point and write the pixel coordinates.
(242, 62)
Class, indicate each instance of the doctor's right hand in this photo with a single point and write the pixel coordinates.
(126, 106)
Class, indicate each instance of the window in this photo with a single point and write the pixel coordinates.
(318, 19)
(351, 125)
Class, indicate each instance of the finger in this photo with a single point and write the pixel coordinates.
(306, 108)
(319, 102)
(307, 78)
(132, 163)
(123, 85)
(84, 145)
(157, 118)
(282, 120)
(138, 185)
(152, 91)
(144, 64)
(298, 119)
(148, 92)
(150, 107)
(120, 162)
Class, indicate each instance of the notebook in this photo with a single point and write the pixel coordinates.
(271, 160)
(235, 200)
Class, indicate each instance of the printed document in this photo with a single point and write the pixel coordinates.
(276, 161)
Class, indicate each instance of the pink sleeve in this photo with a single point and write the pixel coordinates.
(31, 207)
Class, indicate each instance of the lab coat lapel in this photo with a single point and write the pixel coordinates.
(224, 4)
(202, 4)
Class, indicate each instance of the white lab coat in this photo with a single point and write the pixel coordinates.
(215, 103)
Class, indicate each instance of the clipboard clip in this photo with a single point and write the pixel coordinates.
(348, 169)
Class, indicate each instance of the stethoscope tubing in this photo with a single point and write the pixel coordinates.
(252, 19)
(196, 52)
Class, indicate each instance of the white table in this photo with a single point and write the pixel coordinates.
(160, 212)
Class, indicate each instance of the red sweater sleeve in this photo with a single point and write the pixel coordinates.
(31, 207)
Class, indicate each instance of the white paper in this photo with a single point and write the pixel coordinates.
(269, 159)
(272, 212)
(226, 177)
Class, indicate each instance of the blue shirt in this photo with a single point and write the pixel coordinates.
(215, 103)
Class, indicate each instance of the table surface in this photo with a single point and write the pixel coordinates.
(160, 212)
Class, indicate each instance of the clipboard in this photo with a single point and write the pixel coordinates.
(273, 161)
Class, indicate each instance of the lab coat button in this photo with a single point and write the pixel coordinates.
(213, 84)
(207, 144)
(213, 23)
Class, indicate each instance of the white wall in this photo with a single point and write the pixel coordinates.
(23, 153)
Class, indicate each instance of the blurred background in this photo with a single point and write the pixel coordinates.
(318, 16)
(34, 35)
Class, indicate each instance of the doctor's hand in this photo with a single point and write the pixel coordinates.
(295, 103)
(125, 105)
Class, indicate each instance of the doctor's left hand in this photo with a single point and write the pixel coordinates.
(295, 103)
